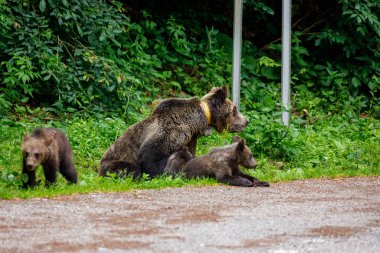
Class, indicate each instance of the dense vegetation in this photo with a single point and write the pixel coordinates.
(94, 67)
(95, 55)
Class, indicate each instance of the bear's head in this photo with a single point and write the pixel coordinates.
(244, 154)
(224, 113)
(35, 150)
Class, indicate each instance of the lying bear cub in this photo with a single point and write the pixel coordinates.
(221, 163)
(50, 148)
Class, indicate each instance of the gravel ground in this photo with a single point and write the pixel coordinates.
(340, 215)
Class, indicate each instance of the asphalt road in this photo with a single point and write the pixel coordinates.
(340, 215)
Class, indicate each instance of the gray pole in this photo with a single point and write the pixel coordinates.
(285, 72)
(236, 61)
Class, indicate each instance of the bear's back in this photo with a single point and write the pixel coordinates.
(175, 105)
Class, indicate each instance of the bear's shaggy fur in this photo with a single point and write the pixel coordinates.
(177, 160)
(50, 148)
(223, 164)
(174, 123)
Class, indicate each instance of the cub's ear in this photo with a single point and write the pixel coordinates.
(26, 137)
(241, 145)
(236, 139)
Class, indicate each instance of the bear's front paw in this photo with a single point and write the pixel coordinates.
(261, 184)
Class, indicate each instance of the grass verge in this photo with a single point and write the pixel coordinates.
(323, 146)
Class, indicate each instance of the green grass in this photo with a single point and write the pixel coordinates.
(325, 146)
(322, 147)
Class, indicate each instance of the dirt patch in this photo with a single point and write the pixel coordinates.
(335, 231)
(103, 244)
(374, 223)
(124, 245)
(369, 208)
(65, 246)
(173, 237)
(194, 216)
(139, 232)
(254, 243)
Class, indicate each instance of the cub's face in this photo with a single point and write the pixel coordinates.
(244, 154)
(247, 160)
(34, 152)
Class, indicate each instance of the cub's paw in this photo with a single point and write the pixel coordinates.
(261, 184)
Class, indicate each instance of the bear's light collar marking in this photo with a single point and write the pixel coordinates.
(206, 110)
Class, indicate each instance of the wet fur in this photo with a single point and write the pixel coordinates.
(50, 148)
(174, 123)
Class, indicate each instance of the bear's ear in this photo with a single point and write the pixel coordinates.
(236, 139)
(224, 89)
(26, 137)
(241, 145)
(221, 93)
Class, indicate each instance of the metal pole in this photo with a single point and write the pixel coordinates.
(285, 71)
(236, 61)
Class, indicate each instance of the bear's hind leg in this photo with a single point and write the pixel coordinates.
(50, 172)
(236, 181)
(254, 180)
(154, 168)
(121, 168)
(153, 157)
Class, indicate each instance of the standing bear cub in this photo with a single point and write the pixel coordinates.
(174, 124)
(222, 163)
(50, 148)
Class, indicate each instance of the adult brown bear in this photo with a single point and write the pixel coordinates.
(173, 125)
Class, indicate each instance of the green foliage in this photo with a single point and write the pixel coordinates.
(13, 179)
(88, 55)
(345, 56)
(4, 105)
(317, 146)
(98, 56)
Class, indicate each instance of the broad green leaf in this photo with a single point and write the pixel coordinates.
(42, 5)
(102, 36)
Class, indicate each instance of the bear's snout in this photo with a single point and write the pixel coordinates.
(246, 122)
(30, 167)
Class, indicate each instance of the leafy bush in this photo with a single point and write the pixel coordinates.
(88, 54)
(99, 56)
